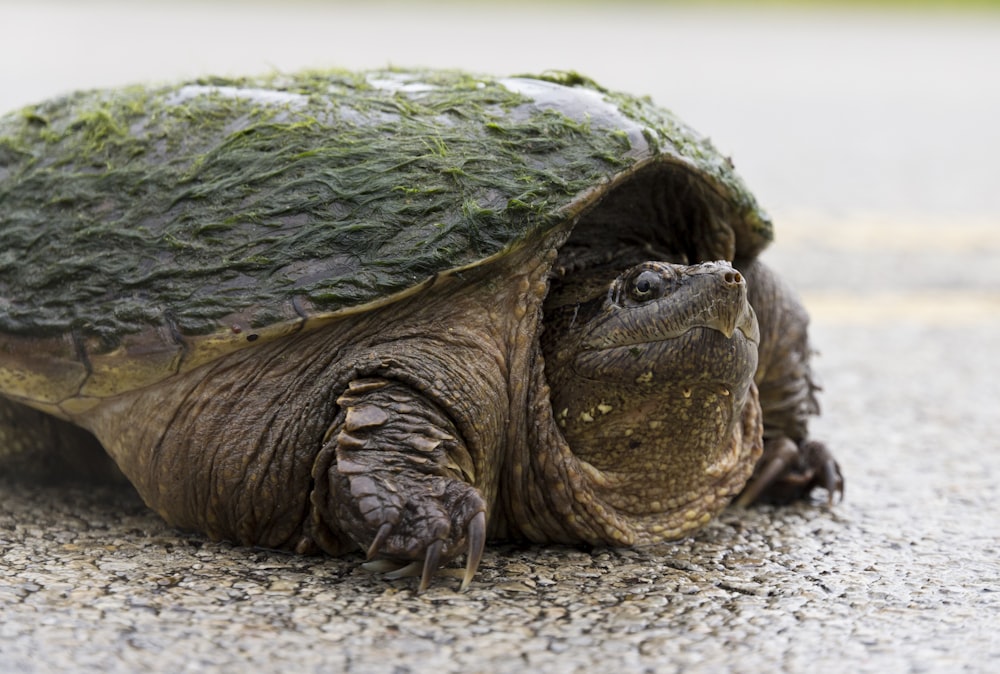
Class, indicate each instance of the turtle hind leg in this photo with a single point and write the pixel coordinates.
(395, 477)
(37, 447)
(793, 464)
(788, 472)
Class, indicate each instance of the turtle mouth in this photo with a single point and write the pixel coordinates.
(745, 328)
(656, 302)
(670, 323)
(731, 320)
(699, 354)
(660, 322)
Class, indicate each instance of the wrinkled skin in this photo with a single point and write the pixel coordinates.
(793, 464)
(624, 414)
(398, 312)
(652, 387)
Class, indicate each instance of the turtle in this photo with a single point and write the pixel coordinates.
(400, 312)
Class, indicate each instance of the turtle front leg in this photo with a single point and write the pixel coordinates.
(394, 475)
(792, 464)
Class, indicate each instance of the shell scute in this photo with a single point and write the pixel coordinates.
(144, 223)
(44, 371)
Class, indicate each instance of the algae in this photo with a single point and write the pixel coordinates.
(125, 209)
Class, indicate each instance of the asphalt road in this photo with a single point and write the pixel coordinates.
(872, 139)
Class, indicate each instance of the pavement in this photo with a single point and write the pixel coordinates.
(869, 135)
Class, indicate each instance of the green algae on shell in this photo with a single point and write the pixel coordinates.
(221, 208)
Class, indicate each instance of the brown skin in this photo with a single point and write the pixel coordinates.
(417, 430)
(403, 416)
(652, 387)
(793, 464)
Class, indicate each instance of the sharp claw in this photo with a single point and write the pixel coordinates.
(477, 542)
(760, 482)
(381, 566)
(404, 571)
(383, 533)
(431, 561)
(833, 481)
(826, 472)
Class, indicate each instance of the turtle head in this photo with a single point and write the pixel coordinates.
(651, 377)
(656, 327)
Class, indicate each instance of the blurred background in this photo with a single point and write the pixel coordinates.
(870, 131)
(840, 110)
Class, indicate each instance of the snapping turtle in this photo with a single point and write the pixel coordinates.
(399, 311)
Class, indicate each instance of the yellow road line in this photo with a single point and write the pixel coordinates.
(934, 307)
(889, 232)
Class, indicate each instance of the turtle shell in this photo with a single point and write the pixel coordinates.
(146, 231)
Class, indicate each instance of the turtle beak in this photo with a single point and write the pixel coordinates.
(703, 311)
(737, 314)
(710, 295)
(740, 318)
(730, 308)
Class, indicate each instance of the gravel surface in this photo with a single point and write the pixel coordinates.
(893, 235)
(902, 576)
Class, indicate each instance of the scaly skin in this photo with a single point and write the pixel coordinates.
(386, 432)
(793, 464)
(652, 389)
(416, 431)
(305, 312)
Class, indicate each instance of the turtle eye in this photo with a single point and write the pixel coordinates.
(647, 285)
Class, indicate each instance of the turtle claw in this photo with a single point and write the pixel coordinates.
(432, 560)
(477, 542)
(788, 472)
(821, 470)
(428, 567)
(833, 479)
(379, 540)
(381, 566)
(405, 571)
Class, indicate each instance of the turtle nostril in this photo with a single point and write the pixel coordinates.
(733, 278)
